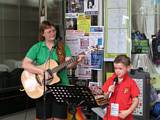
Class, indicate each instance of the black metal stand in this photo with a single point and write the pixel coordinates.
(44, 84)
(74, 96)
(44, 99)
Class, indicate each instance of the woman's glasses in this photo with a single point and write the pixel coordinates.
(50, 31)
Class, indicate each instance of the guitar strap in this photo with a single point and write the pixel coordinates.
(60, 51)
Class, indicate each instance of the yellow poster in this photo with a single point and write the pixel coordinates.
(84, 23)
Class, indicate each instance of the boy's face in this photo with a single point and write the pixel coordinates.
(120, 69)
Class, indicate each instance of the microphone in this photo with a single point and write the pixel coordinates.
(114, 83)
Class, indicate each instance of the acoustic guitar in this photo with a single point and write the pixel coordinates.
(34, 83)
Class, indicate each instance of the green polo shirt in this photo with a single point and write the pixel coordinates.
(40, 53)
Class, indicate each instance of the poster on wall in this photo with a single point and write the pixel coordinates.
(84, 42)
(117, 41)
(84, 23)
(117, 14)
(117, 18)
(84, 72)
(91, 7)
(71, 23)
(74, 6)
(94, 20)
(96, 36)
(97, 59)
(81, 20)
(96, 29)
(117, 4)
(73, 41)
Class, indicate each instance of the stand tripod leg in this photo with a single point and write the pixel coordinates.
(73, 110)
(74, 116)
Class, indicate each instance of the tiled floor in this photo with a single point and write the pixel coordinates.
(28, 114)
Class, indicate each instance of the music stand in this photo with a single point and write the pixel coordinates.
(74, 96)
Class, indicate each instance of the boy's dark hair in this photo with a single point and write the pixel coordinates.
(124, 59)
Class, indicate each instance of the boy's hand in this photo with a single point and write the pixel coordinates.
(123, 114)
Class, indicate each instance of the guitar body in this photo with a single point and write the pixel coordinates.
(33, 84)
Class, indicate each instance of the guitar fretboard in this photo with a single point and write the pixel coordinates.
(63, 65)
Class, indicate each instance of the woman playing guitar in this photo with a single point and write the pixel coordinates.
(38, 63)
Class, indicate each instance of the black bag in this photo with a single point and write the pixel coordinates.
(155, 50)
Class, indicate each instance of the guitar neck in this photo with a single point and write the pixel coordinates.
(63, 65)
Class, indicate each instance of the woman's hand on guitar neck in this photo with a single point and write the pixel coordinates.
(73, 64)
(80, 58)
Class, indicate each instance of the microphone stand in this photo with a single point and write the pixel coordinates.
(44, 88)
(44, 98)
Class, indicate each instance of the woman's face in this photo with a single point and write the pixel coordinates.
(120, 69)
(49, 34)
